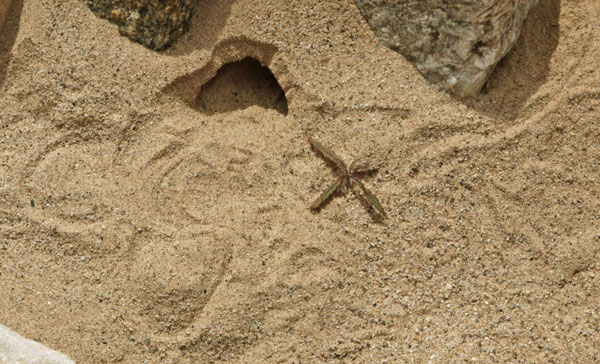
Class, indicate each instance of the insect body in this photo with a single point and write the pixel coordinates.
(347, 176)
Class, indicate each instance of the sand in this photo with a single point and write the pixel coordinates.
(154, 207)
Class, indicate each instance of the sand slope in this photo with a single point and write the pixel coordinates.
(139, 223)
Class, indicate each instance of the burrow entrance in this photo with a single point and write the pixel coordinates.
(239, 85)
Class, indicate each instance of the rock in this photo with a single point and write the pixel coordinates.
(153, 23)
(454, 44)
(4, 8)
(15, 349)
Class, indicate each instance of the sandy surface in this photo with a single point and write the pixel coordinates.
(152, 213)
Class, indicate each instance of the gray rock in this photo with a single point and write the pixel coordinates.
(15, 349)
(454, 44)
(154, 23)
(4, 8)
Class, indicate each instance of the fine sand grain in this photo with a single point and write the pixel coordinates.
(154, 207)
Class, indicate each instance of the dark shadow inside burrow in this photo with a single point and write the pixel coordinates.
(239, 85)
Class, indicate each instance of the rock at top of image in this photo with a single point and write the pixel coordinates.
(155, 24)
(453, 44)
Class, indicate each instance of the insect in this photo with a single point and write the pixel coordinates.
(346, 177)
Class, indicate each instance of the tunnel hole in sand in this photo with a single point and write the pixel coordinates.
(239, 85)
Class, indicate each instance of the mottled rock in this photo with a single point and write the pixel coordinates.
(154, 23)
(4, 8)
(454, 44)
(15, 349)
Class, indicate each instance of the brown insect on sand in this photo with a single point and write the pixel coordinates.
(347, 176)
